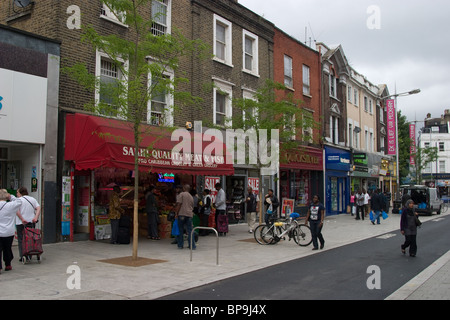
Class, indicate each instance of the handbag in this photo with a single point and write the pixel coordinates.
(418, 222)
(175, 229)
(171, 216)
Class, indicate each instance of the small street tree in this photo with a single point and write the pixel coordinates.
(144, 59)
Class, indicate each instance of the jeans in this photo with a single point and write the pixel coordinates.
(316, 232)
(185, 223)
(376, 216)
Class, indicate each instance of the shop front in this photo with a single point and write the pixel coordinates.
(337, 180)
(301, 177)
(99, 155)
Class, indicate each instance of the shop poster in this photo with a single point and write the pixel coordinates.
(254, 184)
(287, 207)
(210, 183)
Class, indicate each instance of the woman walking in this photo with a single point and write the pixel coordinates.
(9, 206)
(315, 217)
(408, 227)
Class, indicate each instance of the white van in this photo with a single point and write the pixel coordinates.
(426, 199)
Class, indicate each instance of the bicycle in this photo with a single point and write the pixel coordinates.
(444, 207)
(278, 229)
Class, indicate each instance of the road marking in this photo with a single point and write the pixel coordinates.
(387, 236)
(438, 219)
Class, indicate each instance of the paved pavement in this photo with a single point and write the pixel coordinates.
(166, 269)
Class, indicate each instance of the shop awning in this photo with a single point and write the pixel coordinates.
(95, 142)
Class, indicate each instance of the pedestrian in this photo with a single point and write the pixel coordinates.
(184, 214)
(315, 217)
(252, 208)
(377, 205)
(359, 205)
(9, 205)
(408, 228)
(205, 211)
(221, 206)
(271, 202)
(366, 202)
(152, 214)
(352, 203)
(27, 216)
(115, 212)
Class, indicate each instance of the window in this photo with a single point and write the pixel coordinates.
(350, 135)
(356, 97)
(306, 80)
(222, 40)
(308, 123)
(370, 106)
(288, 80)
(381, 115)
(159, 112)
(366, 104)
(250, 54)
(333, 91)
(441, 166)
(371, 144)
(161, 17)
(112, 15)
(110, 75)
(382, 145)
(334, 129)
(441, 146)
(349, 93)
(223, 94)
(366, 136)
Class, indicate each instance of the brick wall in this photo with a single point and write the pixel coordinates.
(301, 55)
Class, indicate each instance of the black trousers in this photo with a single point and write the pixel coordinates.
(411, 242)
(6, 250)
(316, 232)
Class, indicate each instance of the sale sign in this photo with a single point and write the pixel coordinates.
(391, 127)
(210, 183)
(254, 184)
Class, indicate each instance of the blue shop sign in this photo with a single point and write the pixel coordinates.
(336, 159)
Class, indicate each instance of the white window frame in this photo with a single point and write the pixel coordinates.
(288, 72)
(254, 54)
(107, 14)
(168, 110)
(168, 25)
(228, 59)
(99, 56)
(306, 72)
(225, 87)
(333, 85)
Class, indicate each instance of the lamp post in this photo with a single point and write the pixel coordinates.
(395, 96)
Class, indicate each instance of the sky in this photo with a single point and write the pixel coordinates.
(402, 43)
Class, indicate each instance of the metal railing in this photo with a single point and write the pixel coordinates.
(217, 237)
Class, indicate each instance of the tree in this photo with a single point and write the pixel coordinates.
(404, 144)
(143, 60)
(424, 156)
(268, 117)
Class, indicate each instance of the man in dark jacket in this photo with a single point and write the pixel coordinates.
(377, 205)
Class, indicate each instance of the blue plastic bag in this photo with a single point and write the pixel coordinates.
(371, 216)
(384, 215)
(175, 229)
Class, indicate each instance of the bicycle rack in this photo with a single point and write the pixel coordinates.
(217, 236)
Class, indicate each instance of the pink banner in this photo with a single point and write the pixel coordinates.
(412, 149)
(391, 129)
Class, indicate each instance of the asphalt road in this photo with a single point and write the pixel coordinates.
(336, 274)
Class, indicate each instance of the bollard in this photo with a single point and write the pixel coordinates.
(217, 236)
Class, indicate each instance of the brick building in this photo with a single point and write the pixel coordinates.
(298, 67)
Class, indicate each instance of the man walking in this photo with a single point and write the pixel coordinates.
(185, 213)
(315, 216)
(252, 204)
(377, 205)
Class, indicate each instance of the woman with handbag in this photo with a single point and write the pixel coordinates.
(409, 222)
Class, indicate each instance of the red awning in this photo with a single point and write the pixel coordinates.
(96, 142)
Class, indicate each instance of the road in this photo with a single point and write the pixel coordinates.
(337, 274)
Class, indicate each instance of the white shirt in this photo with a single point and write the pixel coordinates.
(221, 200)
(8, 211)
(366, 198)
(27, 209)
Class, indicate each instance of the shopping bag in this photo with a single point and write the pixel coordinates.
(371, 216)
(175, 229)
(384, 215)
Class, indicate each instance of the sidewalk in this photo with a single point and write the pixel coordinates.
(167, 270)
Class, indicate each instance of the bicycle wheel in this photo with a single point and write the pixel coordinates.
(444, 207)
(302, 235)
(263, 234)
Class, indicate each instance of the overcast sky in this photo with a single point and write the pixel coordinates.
(409, 49)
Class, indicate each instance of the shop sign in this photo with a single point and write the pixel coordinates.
(360, 159)
(254, 184)
(302, 158)
(210, 184)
